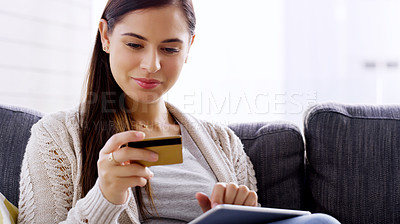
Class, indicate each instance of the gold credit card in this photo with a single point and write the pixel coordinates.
(169, 149)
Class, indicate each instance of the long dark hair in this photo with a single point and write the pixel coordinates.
(103, 108)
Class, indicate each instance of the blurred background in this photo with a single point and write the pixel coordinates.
(252, 60)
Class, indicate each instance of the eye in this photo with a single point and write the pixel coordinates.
(170, 50)
(134, 46)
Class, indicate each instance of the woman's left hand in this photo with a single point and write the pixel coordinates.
(224, 193)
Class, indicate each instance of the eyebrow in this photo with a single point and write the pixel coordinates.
(143, 38)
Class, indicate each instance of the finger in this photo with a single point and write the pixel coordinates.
(230, 193)
(113, 174)
(251, 199)
(217, 196)
(119, 183)
(125, 182)
(119, 139)
(133, 170)
(204, 201)
(130, 170)
(128, 154)
(135, 181)
(242, 194)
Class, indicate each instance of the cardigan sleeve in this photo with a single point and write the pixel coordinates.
(233, 150)
(46, 185)
(243, 166)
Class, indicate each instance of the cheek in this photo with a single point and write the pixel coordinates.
(172, 67)
(122, 61)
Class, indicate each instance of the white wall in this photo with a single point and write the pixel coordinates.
(331, 45)
(235, 67)
(252, 60)
(45, 47)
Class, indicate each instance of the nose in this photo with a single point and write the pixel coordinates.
(151, 61)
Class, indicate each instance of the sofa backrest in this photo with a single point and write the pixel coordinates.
(277, 153)
(15, 126)
(353, 154)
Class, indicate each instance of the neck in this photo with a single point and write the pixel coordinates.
(153, 113)
(153, 119)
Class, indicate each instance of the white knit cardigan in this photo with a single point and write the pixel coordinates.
(50, 190)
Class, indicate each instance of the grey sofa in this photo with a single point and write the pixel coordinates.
(351, 171)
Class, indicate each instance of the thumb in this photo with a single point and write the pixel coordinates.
(203, 201)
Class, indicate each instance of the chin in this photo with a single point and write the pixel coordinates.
(148, 98)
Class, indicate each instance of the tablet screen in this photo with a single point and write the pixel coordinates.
(236, 214)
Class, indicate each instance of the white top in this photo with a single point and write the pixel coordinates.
(174, 186)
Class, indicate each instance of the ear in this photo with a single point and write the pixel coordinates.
(192, 39)
(105, 39)
(191, 43)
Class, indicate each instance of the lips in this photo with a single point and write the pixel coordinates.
(147, 83)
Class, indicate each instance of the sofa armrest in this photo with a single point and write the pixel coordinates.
(15, 123)
(353, 154)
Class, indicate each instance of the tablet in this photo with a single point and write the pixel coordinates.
(237, 214)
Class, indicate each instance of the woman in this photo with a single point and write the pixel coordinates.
(77, 167)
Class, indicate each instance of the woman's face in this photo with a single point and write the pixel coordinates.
(147, 50)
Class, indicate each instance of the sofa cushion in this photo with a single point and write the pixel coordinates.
(8, 212)
(15, 123)
(277, 153)
(353, 155)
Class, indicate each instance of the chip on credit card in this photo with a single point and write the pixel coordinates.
(168, 148)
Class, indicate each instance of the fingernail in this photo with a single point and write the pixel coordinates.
(140, 134)
(154, 157)
(214, 204)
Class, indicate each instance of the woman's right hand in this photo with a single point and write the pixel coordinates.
(116, 177)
